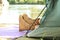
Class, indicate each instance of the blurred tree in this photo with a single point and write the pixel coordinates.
(26, 1)
(11, 1)
(41, 1)
(21, 1)
(16, 1)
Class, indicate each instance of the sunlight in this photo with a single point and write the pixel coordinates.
(3, 39)
(7, 17)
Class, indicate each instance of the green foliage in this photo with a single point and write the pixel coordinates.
(11, 1)
(27, 1)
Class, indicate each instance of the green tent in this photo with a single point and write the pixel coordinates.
(50, 27)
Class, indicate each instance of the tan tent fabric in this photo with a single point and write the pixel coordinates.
(25, 22)
(0, 1)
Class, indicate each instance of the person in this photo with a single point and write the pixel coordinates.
(25, 22)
